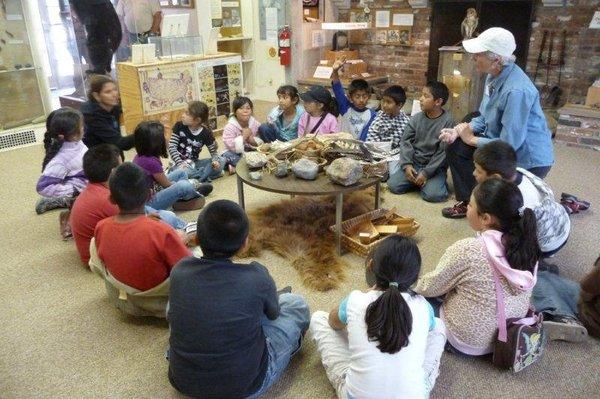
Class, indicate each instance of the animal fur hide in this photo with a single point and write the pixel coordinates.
(298, 230)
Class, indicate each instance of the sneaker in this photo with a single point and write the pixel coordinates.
(285, 290)
(581, 204)
(46, 204)
(190, 205)
(65, 225)
(570, 206)
(457, 211)
(202, 188)
(564, 328)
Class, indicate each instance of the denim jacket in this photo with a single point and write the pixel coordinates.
(511, 111)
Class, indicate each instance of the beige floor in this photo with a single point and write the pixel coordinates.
(61, 339)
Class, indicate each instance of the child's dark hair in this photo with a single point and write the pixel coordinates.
(99, 161)
(150, 139)
(198, 109)
(97, 83)
(396, 263)
(129, 187)
(396, 93)
(222, 229)
(61, 125)
(239, 102)
(332, 108)
(438, 90)
(290, 91)
(358, 85)
(504, 201)
(497, 157)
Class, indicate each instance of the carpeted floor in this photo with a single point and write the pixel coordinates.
(62, 339)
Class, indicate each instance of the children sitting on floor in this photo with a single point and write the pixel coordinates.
(282, 121)
(465, 275)
(188, 138)
(62, 169)
(384, 342)
(422, 154)
(356, 117)
(133, 252)
(175, 189)
(321, 113)
(241, 132)
(93, 204)
(231, 336)
(499, 159)
(390, 122)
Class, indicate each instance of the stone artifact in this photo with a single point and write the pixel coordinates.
(345, 171)
(281, 170)
(255, 160)
(256, 175)
(305, 169)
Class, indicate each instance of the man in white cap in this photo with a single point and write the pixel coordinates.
(510, 111)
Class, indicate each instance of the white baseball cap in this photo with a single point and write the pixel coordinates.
(496, 40)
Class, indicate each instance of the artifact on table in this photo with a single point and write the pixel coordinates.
(305, 169)
(345, 171)
(469, 24)
(281, 169)
(255, 175)
(255, 160)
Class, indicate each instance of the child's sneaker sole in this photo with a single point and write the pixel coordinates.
(557, 331)
(190, 205)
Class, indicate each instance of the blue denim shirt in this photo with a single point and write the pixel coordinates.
(511, 111)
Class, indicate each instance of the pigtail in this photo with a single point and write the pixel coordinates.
(52, 149)
(521, 243)
(389, 320)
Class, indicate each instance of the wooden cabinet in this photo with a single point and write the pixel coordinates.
(162, 89)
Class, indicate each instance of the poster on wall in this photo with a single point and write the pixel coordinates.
(167, 88)
(269, 12)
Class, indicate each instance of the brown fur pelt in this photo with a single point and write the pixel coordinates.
(298, 230)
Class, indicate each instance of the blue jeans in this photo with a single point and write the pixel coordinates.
(168, 217)
(231, 158)
(181, 190)
(284, 337)
(554, 295)
(203, 170)
(268, 133)
(434, 190)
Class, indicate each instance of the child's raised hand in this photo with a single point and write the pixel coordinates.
(339, 63)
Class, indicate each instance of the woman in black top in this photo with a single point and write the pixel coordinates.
(101, 115)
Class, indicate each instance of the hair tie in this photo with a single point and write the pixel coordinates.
(393, 284)
(521, 211)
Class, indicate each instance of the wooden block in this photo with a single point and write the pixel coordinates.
(387, 229)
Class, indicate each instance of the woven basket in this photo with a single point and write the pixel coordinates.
(356, 246)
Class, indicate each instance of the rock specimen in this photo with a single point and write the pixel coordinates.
(256, 175)
(345, 171)
(281, 170)
(305, 169)
(255, 160)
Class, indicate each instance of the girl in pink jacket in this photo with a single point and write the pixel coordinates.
(241, 132)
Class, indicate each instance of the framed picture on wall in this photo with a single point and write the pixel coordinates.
(177, 3)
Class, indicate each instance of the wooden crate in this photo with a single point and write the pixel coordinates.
(353, 245)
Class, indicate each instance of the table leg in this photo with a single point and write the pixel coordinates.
(240, 187)
(377, 194)
(339, 205)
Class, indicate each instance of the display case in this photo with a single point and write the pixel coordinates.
(161, 90)
(20, 93)
(171, 48)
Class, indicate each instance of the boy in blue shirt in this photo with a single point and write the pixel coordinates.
(231, 335)
(356, 117)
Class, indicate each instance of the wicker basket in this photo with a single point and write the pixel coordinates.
(356, 246)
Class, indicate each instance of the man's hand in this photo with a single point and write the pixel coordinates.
(410, 173)
(420, 180)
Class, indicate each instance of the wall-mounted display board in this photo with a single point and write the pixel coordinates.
(177, 3)
(227, 15)
(161, 90)
(387, 26)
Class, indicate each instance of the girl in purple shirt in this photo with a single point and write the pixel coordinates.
(321, 113)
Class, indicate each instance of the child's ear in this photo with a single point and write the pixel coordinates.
(245, 246)
(487, 220)
(438, 102)
(495, 175)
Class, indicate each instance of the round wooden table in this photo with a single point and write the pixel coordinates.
(294, 186)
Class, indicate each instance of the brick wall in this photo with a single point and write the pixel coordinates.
(407, 66)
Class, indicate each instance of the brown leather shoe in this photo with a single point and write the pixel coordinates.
(190, 205)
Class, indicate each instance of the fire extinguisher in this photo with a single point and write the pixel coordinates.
(285, 49)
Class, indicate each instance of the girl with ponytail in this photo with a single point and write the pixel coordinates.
(507, 246)
(383, 342)
(321, 112)
(62, 168)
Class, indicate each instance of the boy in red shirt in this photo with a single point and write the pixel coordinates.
(137, 251)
